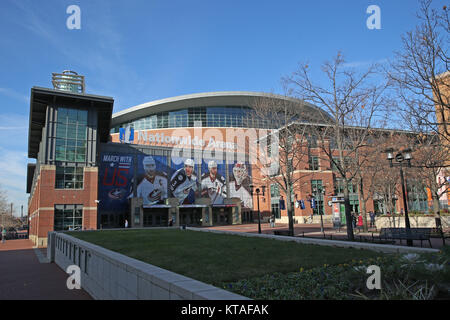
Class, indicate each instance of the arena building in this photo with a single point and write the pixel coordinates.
(173, 161)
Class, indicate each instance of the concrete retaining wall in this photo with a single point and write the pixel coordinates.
(304, 219)
(416, 222)
(381, 222)
(109, 275)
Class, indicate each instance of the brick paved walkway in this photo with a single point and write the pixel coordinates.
(23, 277)
(313, 230)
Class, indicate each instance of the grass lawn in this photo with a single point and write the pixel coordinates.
(219, 258)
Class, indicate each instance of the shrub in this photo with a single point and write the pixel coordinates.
(410, 276)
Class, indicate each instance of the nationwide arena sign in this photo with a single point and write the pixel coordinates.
(184, 141)
(205, 138)
(232, 141)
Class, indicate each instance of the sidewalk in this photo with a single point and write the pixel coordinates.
(23, 277)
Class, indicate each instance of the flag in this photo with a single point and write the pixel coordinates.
(302, 204)
(282, 205)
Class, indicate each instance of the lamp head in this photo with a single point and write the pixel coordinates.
(407, 154)
(390, 153)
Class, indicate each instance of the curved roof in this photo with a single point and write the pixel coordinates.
(207, 99)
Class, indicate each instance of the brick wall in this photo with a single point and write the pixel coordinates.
(45, 196)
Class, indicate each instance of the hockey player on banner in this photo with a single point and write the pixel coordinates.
(213, 184)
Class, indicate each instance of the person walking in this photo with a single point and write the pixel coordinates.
(126, 223)
(354, 220)
(3, 235)
(360, 222)
(272, 221)
(372, 219)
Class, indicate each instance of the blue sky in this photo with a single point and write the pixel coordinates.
(138, 51)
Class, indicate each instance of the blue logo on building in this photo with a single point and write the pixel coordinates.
(126, 135)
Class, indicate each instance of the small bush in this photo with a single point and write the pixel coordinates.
(405, 277)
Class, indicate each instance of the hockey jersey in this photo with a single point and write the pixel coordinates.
(153, 191)
(216, 188)
(239, 191)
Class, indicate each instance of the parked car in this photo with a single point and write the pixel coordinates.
(11, 233)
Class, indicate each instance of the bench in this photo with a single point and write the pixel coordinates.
(281, 233)
(404, 234)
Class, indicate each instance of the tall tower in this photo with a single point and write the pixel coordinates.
(68, 81)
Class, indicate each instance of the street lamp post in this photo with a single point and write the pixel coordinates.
(317, 192)
(257, 197)
(400, 158)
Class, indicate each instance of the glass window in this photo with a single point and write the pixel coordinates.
(313, 163)
(316, 191)
(69, 178)
(333, 164)
(71, 130)
(274, 190)
(68, 217)
(339, 186)
(276, 210)
(312, 141)
(417, 196)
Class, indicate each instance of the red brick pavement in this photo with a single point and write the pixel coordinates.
(23, 277)
(313, 230)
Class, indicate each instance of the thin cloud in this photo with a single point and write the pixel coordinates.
(13, 94)
(13, 128)
(361, 64)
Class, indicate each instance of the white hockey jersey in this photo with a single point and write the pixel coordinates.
(153, 191)
(216, 188)
(238, 191)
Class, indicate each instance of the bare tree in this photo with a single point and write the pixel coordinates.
(355, 104)
(283, 150)
(420, 72)
(7, 220)
(430, 158)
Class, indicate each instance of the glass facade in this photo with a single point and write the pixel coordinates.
(71, 130)
(68, 217)
(236, 117)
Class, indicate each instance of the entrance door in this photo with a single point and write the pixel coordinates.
(156, 217)
(222, 216)
(191, 216)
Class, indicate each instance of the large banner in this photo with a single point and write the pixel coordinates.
(213, 182)
(184, 182)
(116, 181)
(240, 179)
(156, 181)
(152, 179)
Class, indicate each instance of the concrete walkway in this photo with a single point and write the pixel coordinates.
(24, 277)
